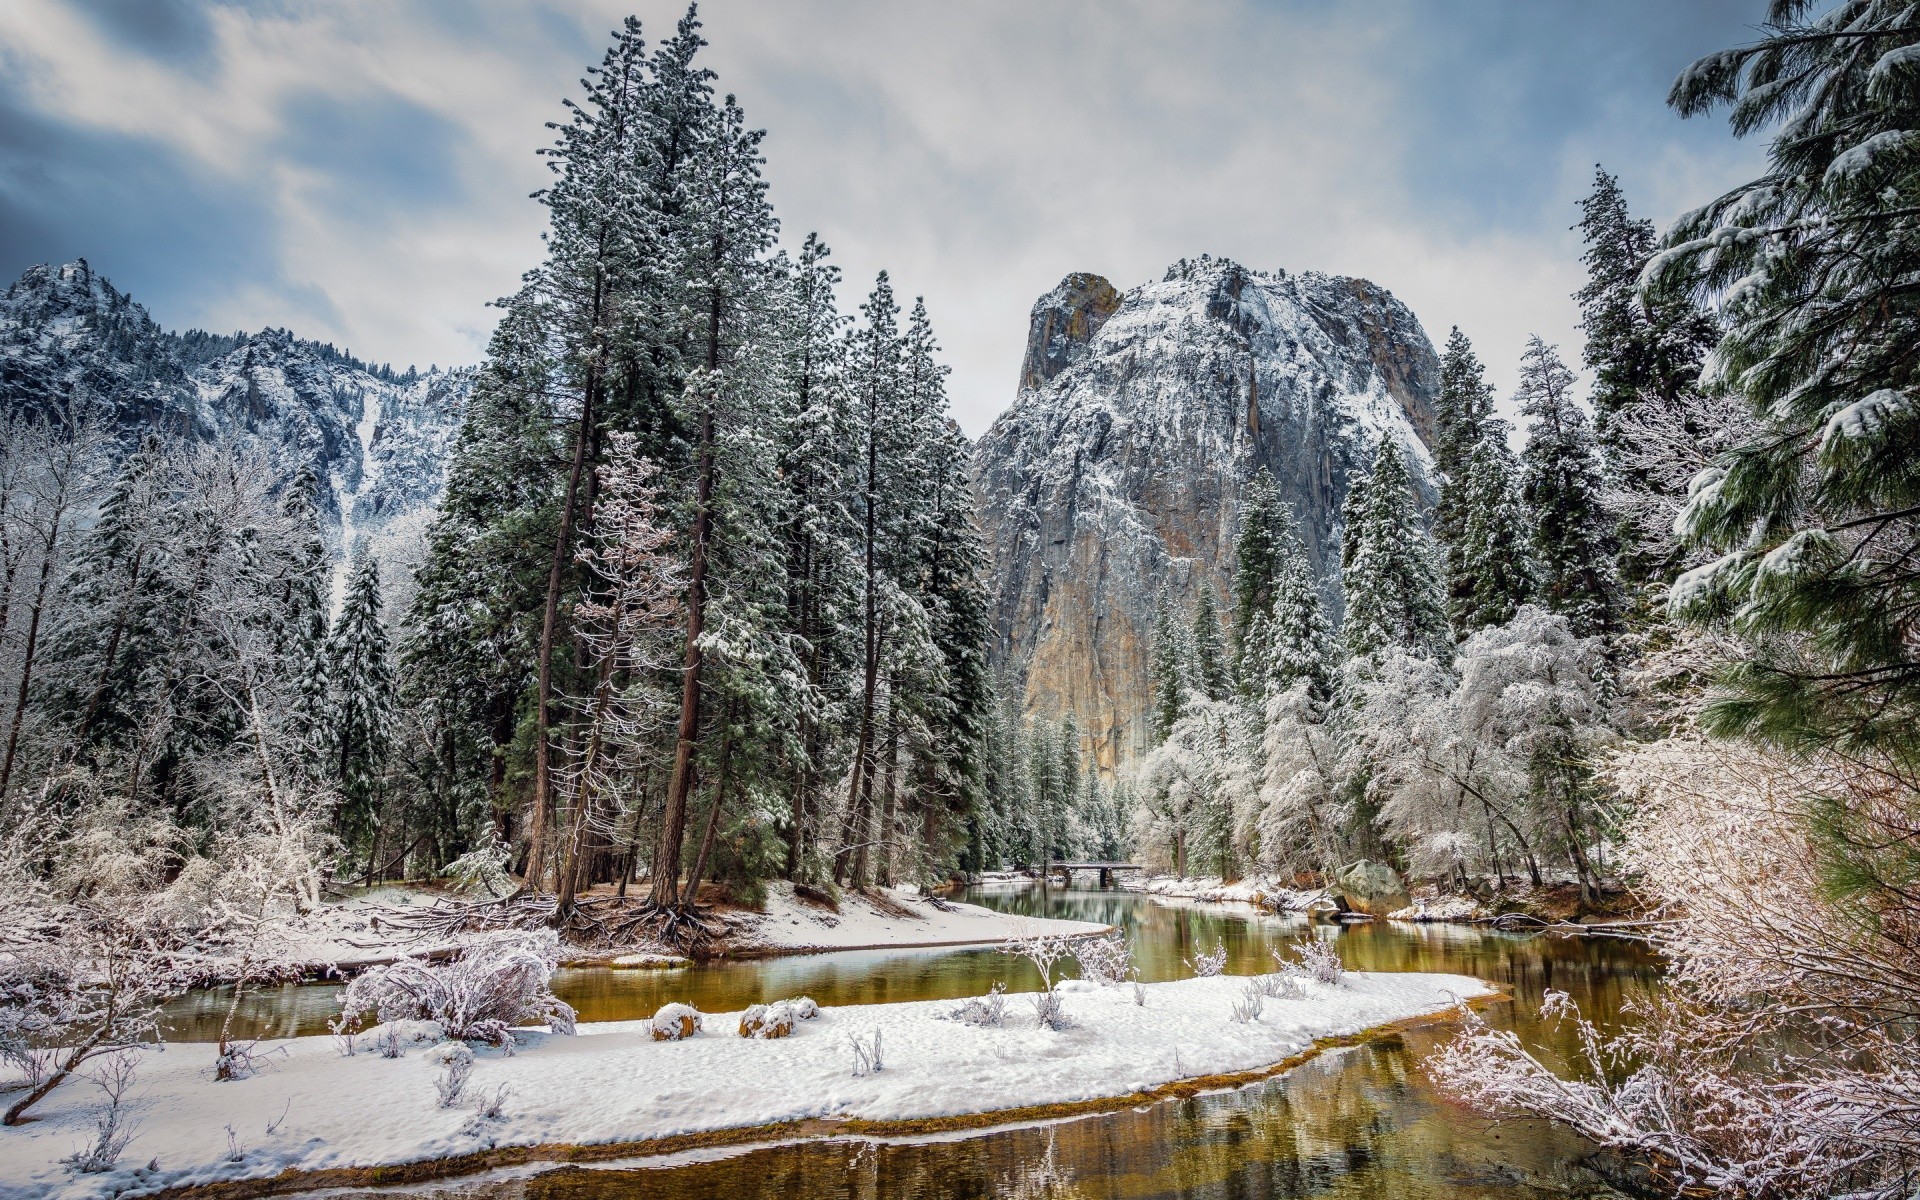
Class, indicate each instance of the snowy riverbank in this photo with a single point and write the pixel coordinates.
(904, 918)
(324, 1118)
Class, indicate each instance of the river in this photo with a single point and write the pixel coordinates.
(1360, 1122)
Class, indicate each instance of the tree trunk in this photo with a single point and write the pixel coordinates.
(720, 784)
(30, 649)
(673, 819)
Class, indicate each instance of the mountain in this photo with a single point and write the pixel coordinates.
(377, 440)
(1118, 469)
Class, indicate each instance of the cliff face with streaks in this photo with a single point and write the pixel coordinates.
(1140, 417)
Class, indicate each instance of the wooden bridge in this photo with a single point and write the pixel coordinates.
(1107, 870)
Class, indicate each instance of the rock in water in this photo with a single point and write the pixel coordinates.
(1370, 887)
(1119, 467)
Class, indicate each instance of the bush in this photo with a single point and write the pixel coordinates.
(767, 1021)
(1106, 960)
(1212, 963)
(987, 1010)
(1317, 961)
(479, 996)
(674, 1022)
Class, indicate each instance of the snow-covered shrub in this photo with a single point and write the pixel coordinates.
(767, 1021)
(456, 1066)
(1316, 960)
(1043, 950)
(987, 1010)
(674, 1022)
(389, 1041)
(866, 1054)
(1212, 963)
(1278, 986)
(113, 1127)
(1246, 1010)
(346, 1041)
(482, 869)
(1107, 960)
(804, 1009)
(239, 1059)
(1139, 994)
(479, 996)
(1047, 1010)
(488, 1107)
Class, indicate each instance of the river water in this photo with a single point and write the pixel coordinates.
(1360, 1122)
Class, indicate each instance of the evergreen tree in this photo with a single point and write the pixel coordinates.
(1303, 645)
(1257, 548)
(1389, 566)
(1562, 488)
(1209, 649)
(1494, 553)
(1812, 517)
(1461, 409)
(357, 726)
(1171, 671)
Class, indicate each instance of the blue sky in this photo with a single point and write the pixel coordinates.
(359, 171)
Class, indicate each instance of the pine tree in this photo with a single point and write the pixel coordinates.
(357, 727)
(1812, 517)
(1389, 566)
(1264, 526)
(1303, 645)
(1495, 553)
(1209, 649)
(1562, 488)
(1172, 671)
(1461, 409)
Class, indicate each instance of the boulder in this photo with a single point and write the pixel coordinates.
(1369, 887)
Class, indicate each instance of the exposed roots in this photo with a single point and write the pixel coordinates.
(596, 922)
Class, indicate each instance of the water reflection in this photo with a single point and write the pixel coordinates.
(1356, 1123)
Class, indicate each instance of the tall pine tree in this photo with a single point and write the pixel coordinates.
(1389, 567)
(1562, 485)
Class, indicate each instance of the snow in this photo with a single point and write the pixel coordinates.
(791, 924)
(1255, 890)
(314, 1109)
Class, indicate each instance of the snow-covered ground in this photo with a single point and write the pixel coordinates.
(791, 924)
(1265, 893)
(313, 1109)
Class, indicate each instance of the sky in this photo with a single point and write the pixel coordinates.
(359, 170)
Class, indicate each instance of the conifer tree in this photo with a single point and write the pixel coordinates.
(1172, 672)
(1461, 409)
(357, 727)
(1495, 551)
(1812, 517)
(1303, 645)
(1209, 648)
(1257, 549)
(1562, 486)
(1389, 566)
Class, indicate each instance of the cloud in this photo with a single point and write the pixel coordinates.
(359, 171)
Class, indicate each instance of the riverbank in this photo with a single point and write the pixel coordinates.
(313, 1117)
(1555, 902)
(343, 937)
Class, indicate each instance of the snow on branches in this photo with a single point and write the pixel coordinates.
(479, 996)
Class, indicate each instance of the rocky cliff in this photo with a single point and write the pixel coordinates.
(1140, 416)
(377, 440)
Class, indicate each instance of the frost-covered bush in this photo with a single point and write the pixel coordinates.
(674, 1022)
(1043, 950)
(804, 1009)
(113, 1126)
(1246, 1010)
(479, 996)
(1107, 960)
(1212, 963)
(456, 1066)
(987, 1010)
(1317, 961)
(1278, 986)
(866, 1054)
(488, 1108)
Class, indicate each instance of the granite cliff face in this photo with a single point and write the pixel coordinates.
(376, 440)
(1119, 467)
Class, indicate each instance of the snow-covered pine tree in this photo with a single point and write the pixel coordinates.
(1171, 672)
(1639, 347)
(1461, 408)
(1257, 550)
(1212, 670)
(1812, 517)
(356, 728)
(1561, 483)
(1389, 566)
(1493, 559)
(1303, 645)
